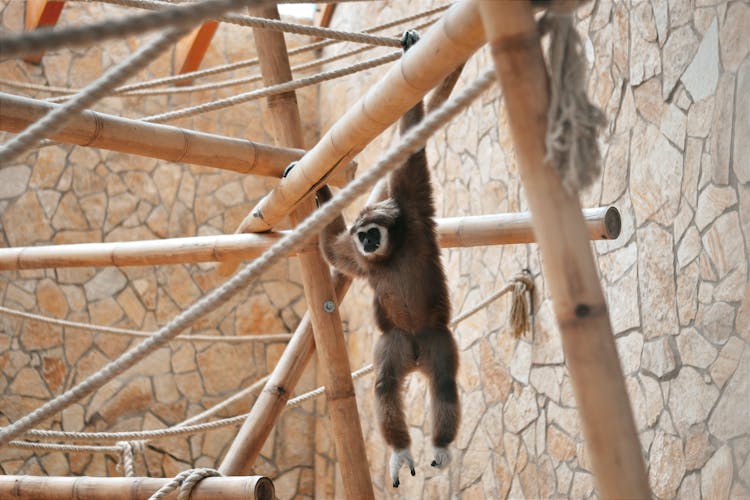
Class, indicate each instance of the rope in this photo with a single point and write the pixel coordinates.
(272, 90)
(271, 337)
(520, 284)
(271, 24)
(44, 39)
(414, 139)
(185, 481)
(65, 448)
(100, 87)
(127, 459)
(573, 122)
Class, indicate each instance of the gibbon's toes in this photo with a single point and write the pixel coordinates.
(442, 457)
(289, 169)
(399, 458)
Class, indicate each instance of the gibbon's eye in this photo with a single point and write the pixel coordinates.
(361, 235)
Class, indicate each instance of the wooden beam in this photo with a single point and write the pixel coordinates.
(165, 142)
(39, 14)
(130, 488)
(192, 48)
(445, 46)
(454, 232)
(568, 264)
(320, 294)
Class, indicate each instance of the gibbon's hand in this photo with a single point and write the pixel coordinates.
(442, 457)
(399, 458)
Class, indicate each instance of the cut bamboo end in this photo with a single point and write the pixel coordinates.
(454, 232)
(130, 488)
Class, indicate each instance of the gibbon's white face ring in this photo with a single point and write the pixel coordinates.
(382, 247)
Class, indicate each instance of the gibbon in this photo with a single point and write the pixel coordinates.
(393, 244)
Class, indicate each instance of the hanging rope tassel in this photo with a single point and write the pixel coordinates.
(518, 319)
(573, 122)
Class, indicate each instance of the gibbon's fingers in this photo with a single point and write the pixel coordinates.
(399, 458)
(442, 457)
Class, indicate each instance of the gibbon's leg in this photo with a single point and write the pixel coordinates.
(438, 359)
(394, 358)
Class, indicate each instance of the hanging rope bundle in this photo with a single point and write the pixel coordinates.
(573, 122)
(518, 319)
(185, 481)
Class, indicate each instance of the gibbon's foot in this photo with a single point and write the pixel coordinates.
(409, 38)
(442, 457)
(399, 458)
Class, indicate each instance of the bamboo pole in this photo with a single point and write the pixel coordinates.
(446, 45)
(319, 290)
(455, 232)
(568, 264)
(164, 142)
(130, 488)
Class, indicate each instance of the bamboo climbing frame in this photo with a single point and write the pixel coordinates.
(130, 488)
(568, 264)
(453, 232)
(562, 234)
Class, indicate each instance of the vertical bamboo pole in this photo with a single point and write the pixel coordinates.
(319, 291)
(568, 264)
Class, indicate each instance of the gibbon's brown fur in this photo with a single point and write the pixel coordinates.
(393, 244)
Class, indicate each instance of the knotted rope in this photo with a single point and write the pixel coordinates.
(127, 457)
(573, 122)
(185, 481)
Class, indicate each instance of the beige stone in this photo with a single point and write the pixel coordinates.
(54, 372)
(35, 227)
(735, 45)
(645, 59)
(655, 176)
(49, 165)
(105, 312)
(716, 477)
(698, 448)
(667, 465)
(107, 283)
(687, 293)
(741, 156)
(713, 201)
(690, 398)
(28, 383)
(725, 365)
(694, 349)
(520, 410)
(166, 178)
(658, 357)
(13, 180)
(132, 306)
(716, 321)
(689, 248)
(730, 417)
(629, 348)
(655, 261)
(721, 135)
(678, 52)
(218, 374)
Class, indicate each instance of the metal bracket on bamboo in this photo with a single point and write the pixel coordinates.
(165, 142)
(480, 230)
(130, 488)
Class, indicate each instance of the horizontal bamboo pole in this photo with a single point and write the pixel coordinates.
(130, 488)
(164, 142)
(446, 45)
(568, 264)
(454, 232)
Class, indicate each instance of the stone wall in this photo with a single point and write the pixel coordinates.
(674, 80)
(63, 194)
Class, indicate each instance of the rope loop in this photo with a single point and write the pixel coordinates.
(185, 481)
(127, 456)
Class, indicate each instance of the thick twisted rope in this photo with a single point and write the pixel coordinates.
(52, 121)
(66, 448)
(272, 24)
(271, 337)
(185, 17)
(414, 139)
(272, 90)
(185, 481)
(520, 286)
(127, 457)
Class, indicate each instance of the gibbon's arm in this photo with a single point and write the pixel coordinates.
(336, 244)
(410, 183)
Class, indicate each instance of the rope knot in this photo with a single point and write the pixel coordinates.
(127, 456)
(519, 304)
(185, 481)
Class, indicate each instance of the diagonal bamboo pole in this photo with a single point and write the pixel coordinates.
(445, 46)
(130, 488)
(567, 260)
(602, 223)
(165, 142)
(319, 291)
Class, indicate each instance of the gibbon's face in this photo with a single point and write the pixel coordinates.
(372, 240)
(370, 231)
